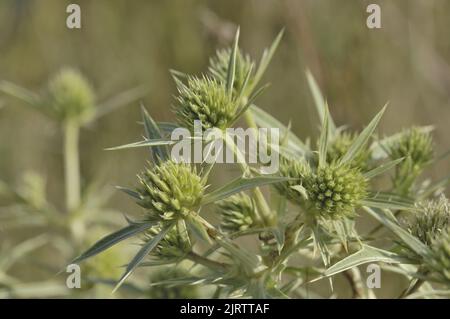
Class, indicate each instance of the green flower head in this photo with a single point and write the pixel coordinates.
(336, 191)
(431, 221)
(238, 213)
(439, 261)
(207, 100)
(297, 170)
(413, 144)
(173, 245)
(219, 68)
(170, 190)
(69, 97)
(339, 146)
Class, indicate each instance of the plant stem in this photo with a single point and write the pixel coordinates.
(214, 265)
(71, 165)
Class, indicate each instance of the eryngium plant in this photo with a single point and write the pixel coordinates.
(315, 200)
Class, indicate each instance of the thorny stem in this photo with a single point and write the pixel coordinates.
(71, 165)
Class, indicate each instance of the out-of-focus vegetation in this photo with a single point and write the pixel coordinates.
(125, 44)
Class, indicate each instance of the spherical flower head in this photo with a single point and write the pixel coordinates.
(170, 190)
(339, 146)
(431, 220)
(205, 99)
(297, 170)
(413, 144)
(219, 68)
(173, 245)
(439, 261)
(69, 97)
(336, 191)
(238, 213)
(171, 291)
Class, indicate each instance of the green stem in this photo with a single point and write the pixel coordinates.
(71, 165)
(214, 265)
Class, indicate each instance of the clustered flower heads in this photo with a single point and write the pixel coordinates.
(238, 213)
(335, 191)
(69, 97)
(205, 99)
(170, 190)
(431, 221)
(219, 67)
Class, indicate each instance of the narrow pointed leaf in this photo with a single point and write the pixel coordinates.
(156, 143)
(232, 64)
(152, 131)
(142, 253)
(112, 239)
(19, 92)
(382, 168)
(240, 184)
(361, 141)
(367, 254)
(412, 242)
(319, 101)
(323, 140)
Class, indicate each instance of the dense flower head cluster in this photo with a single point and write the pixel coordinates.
(238, 213)
(205, 99)
(431, 220)
(69, 96)
(170, 190)
(219, 67)
(336, 191)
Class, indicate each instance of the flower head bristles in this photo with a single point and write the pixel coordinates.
(340, 144)
(204, 99)
(416, 147)
(238, 213)
(431, 220)
(170, 190)
(69, 97)
(173, 245)
(335, 191)
(297, 170)
(218, 67)
(438, 262)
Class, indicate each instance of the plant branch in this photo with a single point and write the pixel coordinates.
(71, 165)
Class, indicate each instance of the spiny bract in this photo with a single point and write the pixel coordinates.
(432, 219)
(170, 190)
(172, 245)
(335, 191)
(238, 213)
(297, 170)
(69, 97)
(219, 68)
(204, 99)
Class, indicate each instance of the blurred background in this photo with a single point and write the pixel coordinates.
(123, 44)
